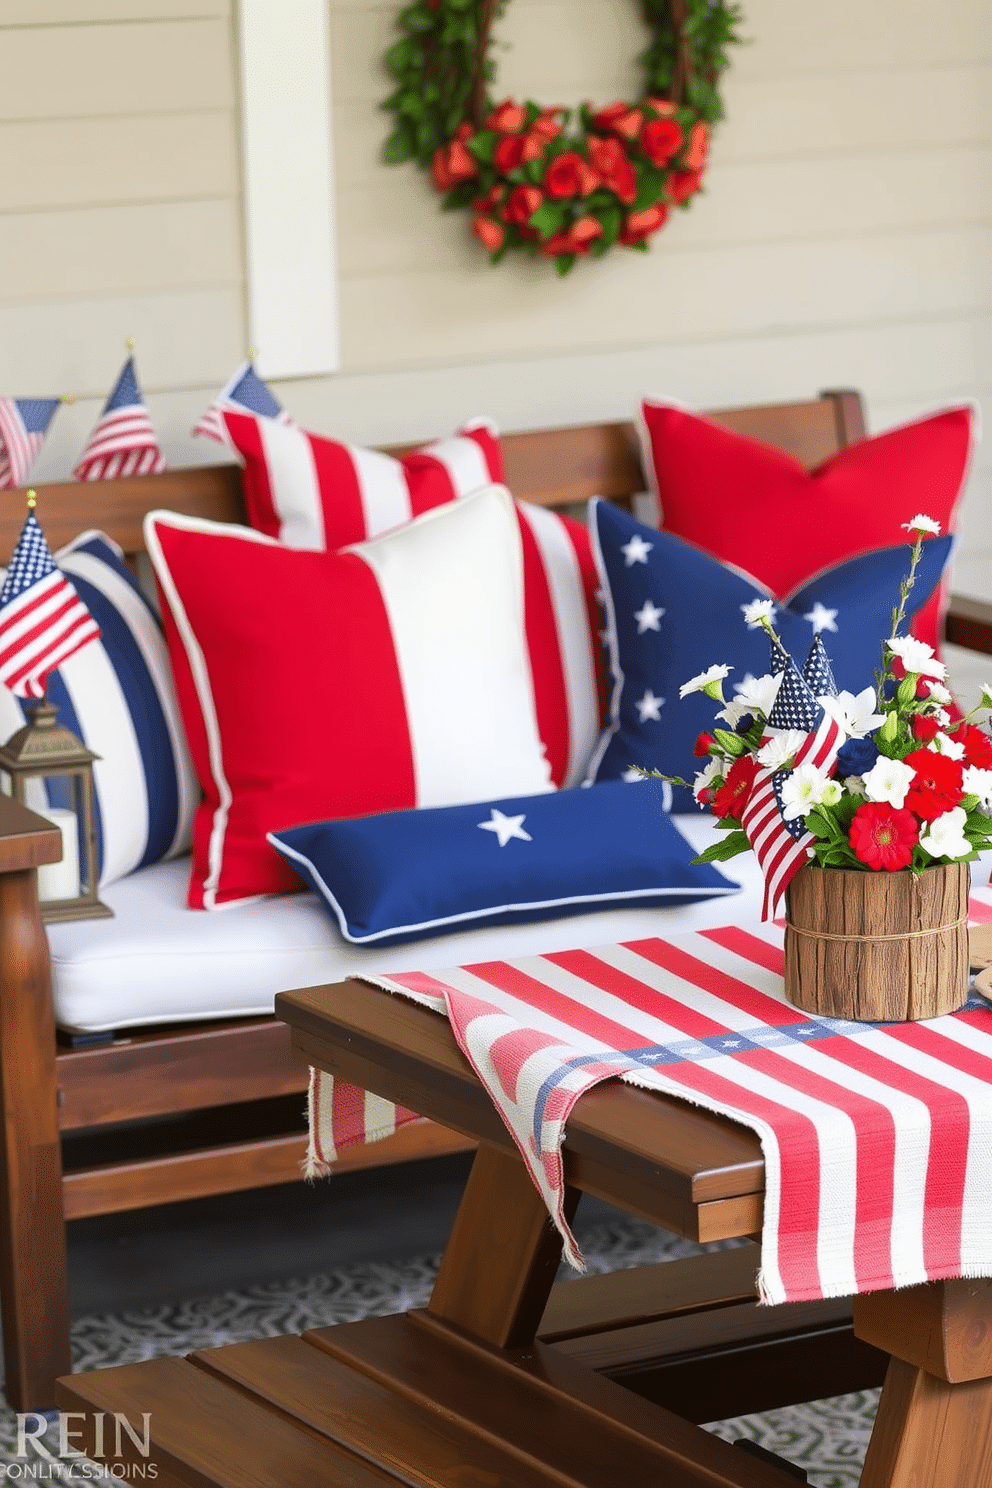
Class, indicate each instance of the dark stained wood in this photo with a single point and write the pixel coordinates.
(26, 839)
(502, 1255)
(203, 1431)
(944, 1327)
(34, 1295)
(930, 1434)
(969, 624)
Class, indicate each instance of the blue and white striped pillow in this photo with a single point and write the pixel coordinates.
(118, 696)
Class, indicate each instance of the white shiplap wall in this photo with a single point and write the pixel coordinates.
(844, 237)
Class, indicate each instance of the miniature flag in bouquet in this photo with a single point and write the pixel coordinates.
(245, 392)
(23, 425)
(123, 441)
(43, 621)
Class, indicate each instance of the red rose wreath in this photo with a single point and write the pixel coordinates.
(560, 183)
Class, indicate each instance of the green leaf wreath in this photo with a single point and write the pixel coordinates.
(560, 183)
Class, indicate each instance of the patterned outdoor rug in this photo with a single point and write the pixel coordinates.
(827, 1438)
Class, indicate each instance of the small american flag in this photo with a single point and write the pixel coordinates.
(43, 621)
(245, 392)
(782, 847)
(23, 425)
(123, 441)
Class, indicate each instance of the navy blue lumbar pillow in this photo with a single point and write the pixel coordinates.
(673, 611)
(406, 875)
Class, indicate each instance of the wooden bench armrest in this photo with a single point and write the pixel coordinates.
(26, 839)
(969, 624)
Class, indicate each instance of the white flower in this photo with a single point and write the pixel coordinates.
(708, 682)
(946, 838)
(939, 693)
(888, 780)
(780, 748)
(944, 744)
(978, 783)
(758, 612)
(920, 523)
(732, 713)
(833, 791)
(942, 716)
(757, 694)
(855, 714)
(916, 656)
(706, 776)
(802, 790)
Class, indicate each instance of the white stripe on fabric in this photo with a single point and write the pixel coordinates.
(575, 643)
(293, 483)
(379, 1118)
(150, 642)
(472, 550)
(612, 654)
(119, 773)
(384, 491)
(463, 460)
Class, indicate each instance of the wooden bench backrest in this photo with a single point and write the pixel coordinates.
(551, 467)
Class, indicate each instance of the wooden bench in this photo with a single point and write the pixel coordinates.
(76, 1129)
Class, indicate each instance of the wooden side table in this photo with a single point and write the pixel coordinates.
(492, 1385)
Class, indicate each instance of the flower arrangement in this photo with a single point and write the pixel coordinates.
(903, 784)
(558, 183)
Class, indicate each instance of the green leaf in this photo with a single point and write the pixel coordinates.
(612, 220)
(547, 220)
(564, 263)
(417, 18)
(398, 147)
(731, 744)
(483, 146)
(728, 847)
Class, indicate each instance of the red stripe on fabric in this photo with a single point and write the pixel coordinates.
(347, 1115)
(488, 441)
(745, 998)
(429, 482)
(950, 1125)
(979, 911)
(929, 1040)
(508, 1052)
(547, 671)
(799, 1150)
(875, 1139)
(750, 947)
(340, 492)
(638, 994)
(538, 994)
(244, 432)
(49, 630)
(578, 536)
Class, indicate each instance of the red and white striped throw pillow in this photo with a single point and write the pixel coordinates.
(390, 675)
(309, 491)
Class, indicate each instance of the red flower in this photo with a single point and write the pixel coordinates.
(662, 138)
(524, 202)
(936, 787)
(453, 163)
(683, 184)
(699, 143)
(611, 161)
(578, 239)
(507, 117)
(661, 105)
(640, 225)
(490, 234)
(492, 198)
(977, 745)
(883, 836)
(924, 727)
(547, 125)
(702, 745)
(509, 153)
(619, 118)
(731, 797)
(570, 175)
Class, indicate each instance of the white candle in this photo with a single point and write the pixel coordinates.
(61, 880)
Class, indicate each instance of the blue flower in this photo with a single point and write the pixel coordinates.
(856, 757)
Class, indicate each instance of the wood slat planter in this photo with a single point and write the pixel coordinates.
(878, 947)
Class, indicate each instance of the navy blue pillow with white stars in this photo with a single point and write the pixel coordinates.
(407, 875)
(673, 611)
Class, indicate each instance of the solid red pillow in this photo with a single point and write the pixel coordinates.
(760, 509)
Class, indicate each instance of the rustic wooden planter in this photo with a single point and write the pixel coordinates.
(877, 946)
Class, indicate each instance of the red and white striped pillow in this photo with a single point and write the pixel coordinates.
(391, 675)
(309, 491)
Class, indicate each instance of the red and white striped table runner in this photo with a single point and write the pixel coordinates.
(877, 1139)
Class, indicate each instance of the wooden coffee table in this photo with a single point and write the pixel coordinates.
(494, 1384)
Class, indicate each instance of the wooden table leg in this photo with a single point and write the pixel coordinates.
(503, 1253)
(934, 1424)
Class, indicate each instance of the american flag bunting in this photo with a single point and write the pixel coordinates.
(43, 621)
(23, 425)
(123, 441)
(245, 392)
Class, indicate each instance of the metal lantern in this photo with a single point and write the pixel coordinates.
(45, 749)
